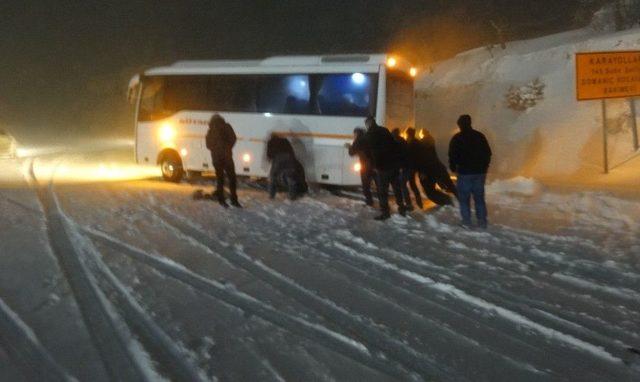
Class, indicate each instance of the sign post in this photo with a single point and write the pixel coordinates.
(634, 124)
(603, 75)
(604, 136)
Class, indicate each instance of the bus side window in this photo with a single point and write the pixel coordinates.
(286, 94)
(232, 93)
(185, 93)
(345, 94)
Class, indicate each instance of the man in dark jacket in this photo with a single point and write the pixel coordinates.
(360, 147)
(386, 160)
(470, 156)
(405, 171)
(220, 141)
(286, 170)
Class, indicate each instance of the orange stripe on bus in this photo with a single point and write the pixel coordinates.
(282, 133)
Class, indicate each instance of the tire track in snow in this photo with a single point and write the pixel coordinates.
(562, 292)
(172, 358)
(20, 342)
(358, 326)
(534, 240)
(518, 302)
(617, 347)
(231, 296)
(513, 316)
(543, 283)
(519, 308)
(434, 327)
(389, 293)
(612, 270)
(484, 316)
(108, 334)
(559, 364)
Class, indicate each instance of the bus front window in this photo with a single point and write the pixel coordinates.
(151, 100)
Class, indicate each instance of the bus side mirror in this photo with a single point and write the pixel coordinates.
(132, 90)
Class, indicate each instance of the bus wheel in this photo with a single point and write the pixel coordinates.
(171, 167)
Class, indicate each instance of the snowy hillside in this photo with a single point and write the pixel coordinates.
(523, 98)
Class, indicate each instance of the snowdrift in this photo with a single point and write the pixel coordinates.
(523, 98)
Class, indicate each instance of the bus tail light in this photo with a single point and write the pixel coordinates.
(392, 62)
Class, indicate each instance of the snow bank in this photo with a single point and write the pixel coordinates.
(520, 186)
(523, 98)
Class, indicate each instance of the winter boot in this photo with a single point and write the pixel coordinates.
(222, 202)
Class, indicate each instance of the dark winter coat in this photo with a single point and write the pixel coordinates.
(385, 151)
(360, 147)
(278, 145)
(469, 152)
(423, 156)
(220, 138)
(403, 152)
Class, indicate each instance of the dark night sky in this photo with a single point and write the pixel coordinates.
(65, 64)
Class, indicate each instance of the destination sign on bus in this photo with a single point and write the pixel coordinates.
(601, 75)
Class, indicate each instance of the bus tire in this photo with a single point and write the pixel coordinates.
(171, 167)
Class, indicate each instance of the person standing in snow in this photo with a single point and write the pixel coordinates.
(286, 170)
(405, 172)
(386, 160)
(470, 157)
(220, 140)
(360, 147)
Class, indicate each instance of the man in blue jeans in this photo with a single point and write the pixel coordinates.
(469, 157)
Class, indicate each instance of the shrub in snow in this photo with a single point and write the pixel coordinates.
(525, 97)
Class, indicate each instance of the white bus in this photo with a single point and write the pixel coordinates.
(314, 101)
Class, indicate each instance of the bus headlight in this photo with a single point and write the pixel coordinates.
(184, 152)
(357, 167)
(246, 158)
(413, 72)
(392, 62)
(166, 133)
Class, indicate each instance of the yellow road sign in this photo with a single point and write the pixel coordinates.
(601, 75)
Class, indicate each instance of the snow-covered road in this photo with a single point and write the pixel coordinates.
(131, 279)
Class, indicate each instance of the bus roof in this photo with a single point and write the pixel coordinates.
(280, 64)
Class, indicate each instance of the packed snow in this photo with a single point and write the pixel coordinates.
(313, 289)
